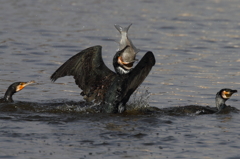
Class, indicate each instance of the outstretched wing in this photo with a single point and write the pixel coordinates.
(138, 74)
(123, 86)
(89, 71)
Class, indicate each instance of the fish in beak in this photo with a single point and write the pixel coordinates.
(128, 57)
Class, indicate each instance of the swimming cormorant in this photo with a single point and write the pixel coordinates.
(221, 97)
(101, 85)
(13, 88)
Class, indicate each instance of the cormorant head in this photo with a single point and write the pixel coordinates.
(222, 96)
(226, 93)
(15, 87)
(120, 66)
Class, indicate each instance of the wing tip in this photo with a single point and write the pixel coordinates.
(96, 47)
(53, 78)
(151, 57)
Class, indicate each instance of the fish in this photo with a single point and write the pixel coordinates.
(128, 57)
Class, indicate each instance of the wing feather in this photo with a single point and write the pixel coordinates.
(89, 71)
(122, 87)
(138, 75)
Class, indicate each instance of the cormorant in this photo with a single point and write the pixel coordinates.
(100, 84)
(13, 88)
(222, 96)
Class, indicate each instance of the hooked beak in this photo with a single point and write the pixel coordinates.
(121, 51)
(23, 85)
(232, 92)
(228, 94)
(127, 65)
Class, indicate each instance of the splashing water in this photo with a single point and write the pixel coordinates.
(140, 100)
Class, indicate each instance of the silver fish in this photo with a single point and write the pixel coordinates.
(128, 56)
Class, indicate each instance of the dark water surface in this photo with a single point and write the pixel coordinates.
(196, 45)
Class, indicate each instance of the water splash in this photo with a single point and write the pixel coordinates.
(138, 103)
(81, 107)
(140, 100)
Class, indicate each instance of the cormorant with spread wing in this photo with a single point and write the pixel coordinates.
(100, 84)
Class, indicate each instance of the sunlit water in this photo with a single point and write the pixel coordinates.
(196, 45)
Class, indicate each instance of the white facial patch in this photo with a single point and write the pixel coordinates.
(122, 70)
(226, 95)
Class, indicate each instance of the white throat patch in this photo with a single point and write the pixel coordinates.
(122, 70)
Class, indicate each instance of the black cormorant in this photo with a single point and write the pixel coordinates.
(222, 96)
(13, 88)
(100, 84)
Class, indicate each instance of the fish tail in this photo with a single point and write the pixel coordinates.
(121, 29)
(127, 28)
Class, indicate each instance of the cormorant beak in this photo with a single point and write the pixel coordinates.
(23, 85)
(226, 94)
(127, 65)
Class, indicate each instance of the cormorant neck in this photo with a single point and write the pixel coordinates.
(8, 95)
(220, 102)
(115, 62)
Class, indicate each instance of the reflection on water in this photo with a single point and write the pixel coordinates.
(196, 48)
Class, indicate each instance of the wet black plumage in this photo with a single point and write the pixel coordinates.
(221, 97)
(99, 83)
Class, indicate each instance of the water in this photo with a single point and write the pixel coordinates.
(196, 46)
